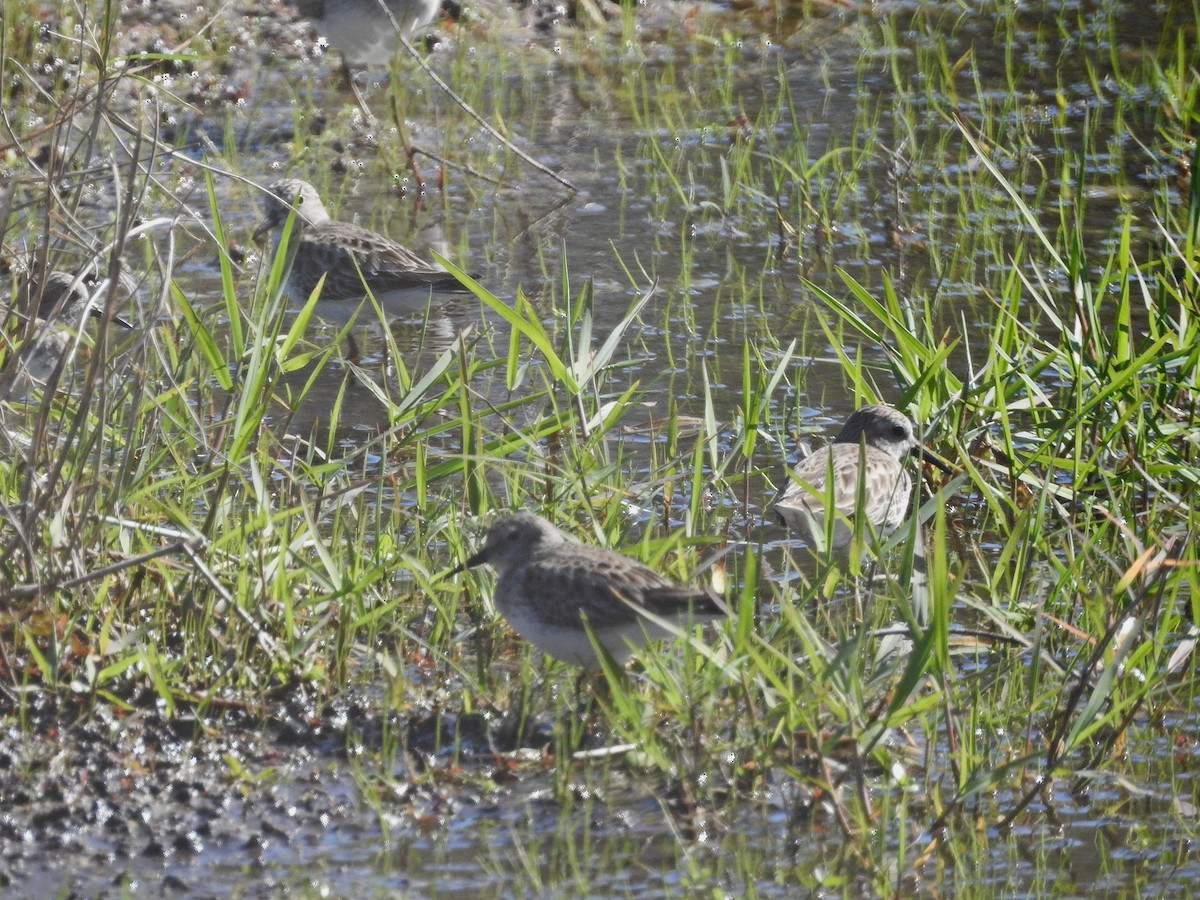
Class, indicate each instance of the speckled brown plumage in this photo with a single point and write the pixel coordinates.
(549, 585)
(873, 441)
(51, 334)
(332, 249)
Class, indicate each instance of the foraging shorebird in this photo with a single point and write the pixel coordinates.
(45, 340)
(864, 459)
(347, 255)
(366, 32)
(553, 591)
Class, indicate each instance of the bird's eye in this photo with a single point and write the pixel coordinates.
(898, 431)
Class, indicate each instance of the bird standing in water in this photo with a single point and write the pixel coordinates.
(868, 452)
(347, 255)
(554, 591)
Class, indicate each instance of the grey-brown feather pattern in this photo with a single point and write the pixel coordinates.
(344, 253)
(48, 337)
(868, 451)
(549, 585)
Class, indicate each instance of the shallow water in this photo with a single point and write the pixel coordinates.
(452, 835)
(517, 236)
(720, 290)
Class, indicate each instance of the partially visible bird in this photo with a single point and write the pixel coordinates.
(346, 254)
(37, 342)
(867, 455)
(366, 32)
(553, 590)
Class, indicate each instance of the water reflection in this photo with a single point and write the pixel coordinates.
(724, 276)
(371, 347)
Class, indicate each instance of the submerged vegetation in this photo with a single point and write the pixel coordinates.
(229, 527)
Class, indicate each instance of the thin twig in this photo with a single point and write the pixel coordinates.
(36, 589)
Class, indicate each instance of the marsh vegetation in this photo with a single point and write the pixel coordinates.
(230, 659)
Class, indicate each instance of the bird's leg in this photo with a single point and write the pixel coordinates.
(411, 151)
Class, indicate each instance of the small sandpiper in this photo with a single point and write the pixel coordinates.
(878, 437)
(346, 254)
(62, 301)
(366, 32)
(553, 590)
